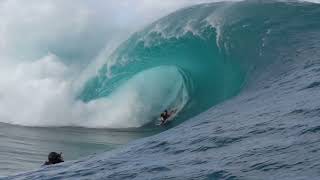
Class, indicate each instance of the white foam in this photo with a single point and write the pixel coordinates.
(33, 93)
(41, 94)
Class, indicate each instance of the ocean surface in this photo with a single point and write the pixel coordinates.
(243, 77)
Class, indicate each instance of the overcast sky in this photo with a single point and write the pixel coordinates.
(29, 24)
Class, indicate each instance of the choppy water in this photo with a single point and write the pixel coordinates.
(252, 68)
(23, 149)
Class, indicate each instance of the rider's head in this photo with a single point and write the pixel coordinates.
(55, 158)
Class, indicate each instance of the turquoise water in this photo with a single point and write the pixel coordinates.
(209, 74)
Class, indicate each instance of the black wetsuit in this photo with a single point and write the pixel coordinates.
(165, 116)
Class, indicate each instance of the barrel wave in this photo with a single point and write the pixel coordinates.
(212, 67)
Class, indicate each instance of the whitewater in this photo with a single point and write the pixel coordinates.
(243, 76)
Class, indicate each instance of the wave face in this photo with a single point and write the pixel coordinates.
(190, 60)
(211, 61)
